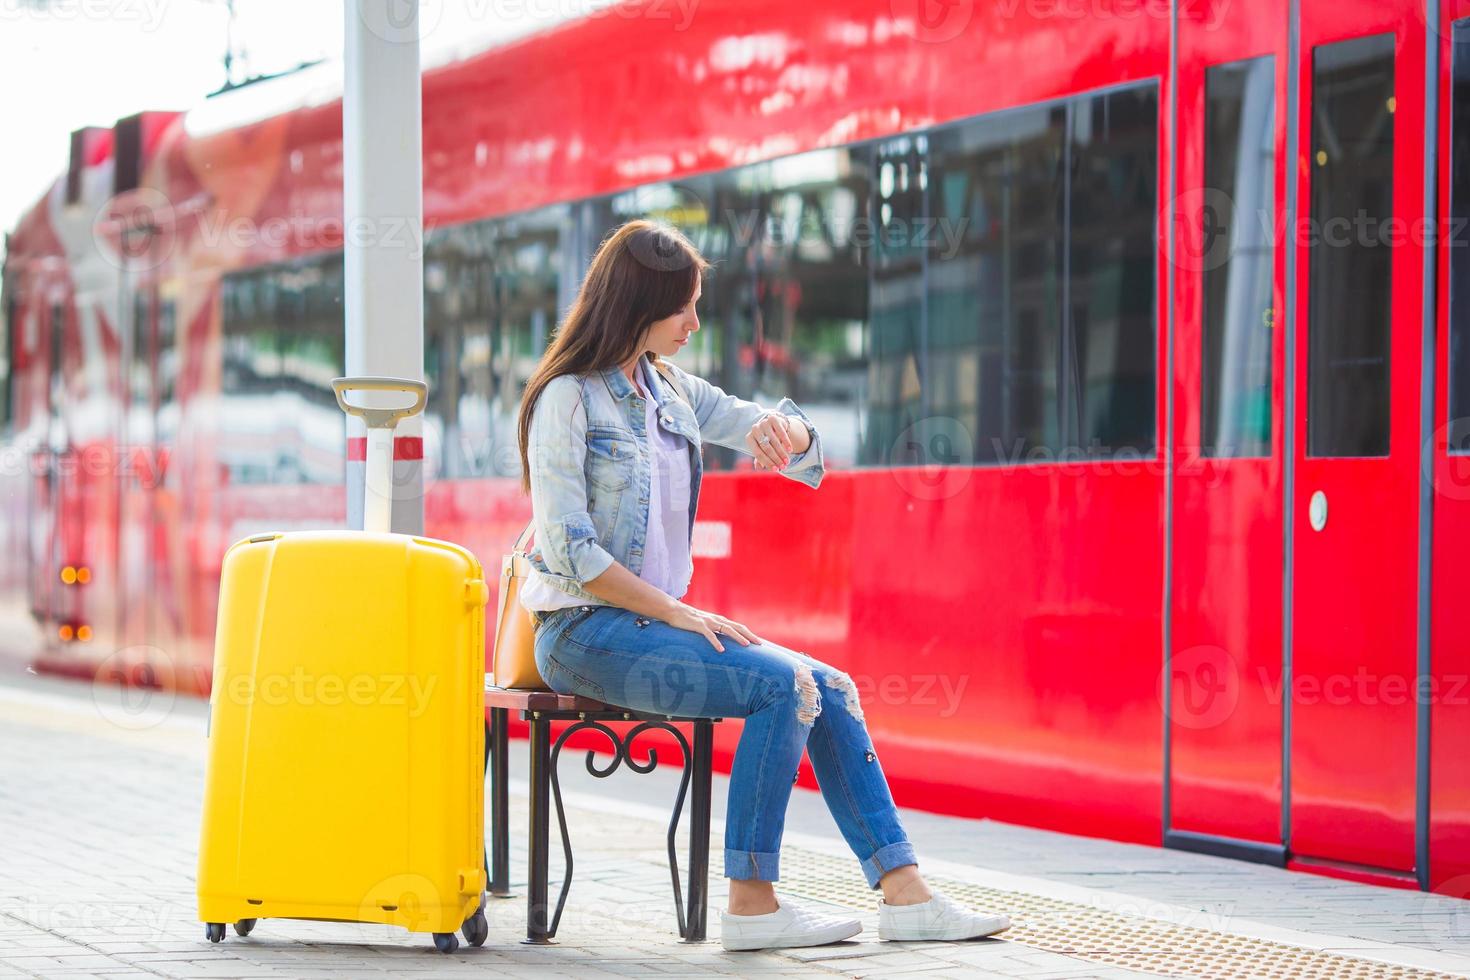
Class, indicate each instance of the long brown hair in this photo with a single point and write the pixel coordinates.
(642, 272)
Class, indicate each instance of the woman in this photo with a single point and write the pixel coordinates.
(610, 453)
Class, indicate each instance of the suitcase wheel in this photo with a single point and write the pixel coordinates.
(214, 931)
(445, 942)
(476, 930)
(243, 927)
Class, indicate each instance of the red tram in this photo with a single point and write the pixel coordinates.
(1138, 334)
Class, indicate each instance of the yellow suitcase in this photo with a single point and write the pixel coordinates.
(345, 772)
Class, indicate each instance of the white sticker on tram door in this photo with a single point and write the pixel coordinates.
(711, 540)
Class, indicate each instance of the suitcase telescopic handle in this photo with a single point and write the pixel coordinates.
(381, 418)
(377, 500)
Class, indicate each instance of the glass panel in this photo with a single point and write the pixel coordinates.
(459, 280)
(283, 344)
(1237, 254)
(56, 383)
(911, 294)
(312, 354)
(720, 216)
(995, 276)
(1349, 313)
(790, 290)
(58, 346)
(8, 338)
(687, 207)
(1459, 243)
(251, 360)
(139, 371)
(168, 354)
(525, 253)
(1108, 354)
(894, 428)
(249, 373)
(167, 422)
(714, 214)
(139, 413)
(815, 317)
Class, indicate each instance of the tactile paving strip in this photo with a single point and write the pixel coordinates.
(1102, 936)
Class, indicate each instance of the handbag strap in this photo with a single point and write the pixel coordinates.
(668, 375)
(520, 544)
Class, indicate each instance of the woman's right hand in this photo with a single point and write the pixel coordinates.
(712, 625)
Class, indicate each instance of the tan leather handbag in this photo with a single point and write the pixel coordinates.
(515, 630)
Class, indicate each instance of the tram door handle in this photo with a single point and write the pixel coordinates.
(1317, 511)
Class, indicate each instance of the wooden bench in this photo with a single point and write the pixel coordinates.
(541, 709)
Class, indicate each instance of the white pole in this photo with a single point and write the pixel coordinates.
(382, 200)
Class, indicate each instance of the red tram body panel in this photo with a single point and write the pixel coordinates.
(1126, 533)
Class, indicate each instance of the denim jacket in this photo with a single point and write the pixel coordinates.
(590, 466)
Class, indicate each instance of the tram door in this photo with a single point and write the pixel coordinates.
(1354, 497)
(1223, 684)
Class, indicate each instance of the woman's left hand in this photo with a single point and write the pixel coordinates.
(770, 442)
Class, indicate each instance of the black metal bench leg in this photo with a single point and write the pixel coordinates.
(537, 907)
(499, 749)
(699, 818)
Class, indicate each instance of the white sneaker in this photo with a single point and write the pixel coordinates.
(939, 918)
(788, 926)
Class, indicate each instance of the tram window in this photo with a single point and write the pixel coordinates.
(311, 336)
(995, 269)
(1459, 243)
(1108, 356)
(56, 371)
(8, 337)
(897, 288)
(693, 207)
(167, 420)
(168, 355)
(719, 215)
(790, 287)
(1041, 280)
(699, 220)
(1349, 312)
(1236, 258)
(283, 342)
(524, 277)
(315, 354)
(251, 359)
(714, 213)
(457, 275)
(140, 370)
(57, 336)
(896, 428)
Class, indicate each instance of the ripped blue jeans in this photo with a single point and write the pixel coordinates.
(789, 701)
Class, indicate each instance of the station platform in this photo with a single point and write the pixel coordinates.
(99, 808)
